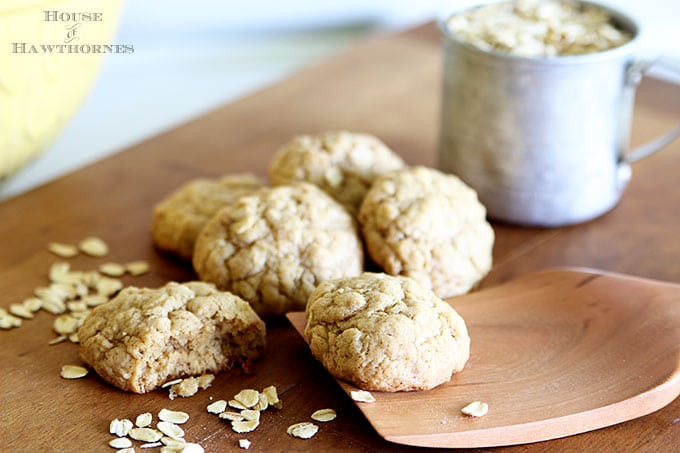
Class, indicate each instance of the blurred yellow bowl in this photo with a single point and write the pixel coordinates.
(41, 90)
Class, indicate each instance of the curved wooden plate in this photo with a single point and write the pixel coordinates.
(553, 353)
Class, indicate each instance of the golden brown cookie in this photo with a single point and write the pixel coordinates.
(343, 164)
(385, 333)
(179, 217)
(144, 337)
(272, 248)
(430, 226)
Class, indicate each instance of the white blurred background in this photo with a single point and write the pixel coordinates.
(191, 57)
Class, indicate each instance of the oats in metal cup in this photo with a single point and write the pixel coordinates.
(536, 108)
(538, 28)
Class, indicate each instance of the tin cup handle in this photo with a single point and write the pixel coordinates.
(636, 71)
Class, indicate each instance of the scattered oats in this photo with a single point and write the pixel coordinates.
(80, 315)
(244, 426)
(126, 450)
(65, 291)
(76, 305)
(53, 307)
(136, 268)
(79, 289)
(217, 407)
(47, 292)
(59, 271)
(73, 372)
(262, 402)
(95, 300)
(93, 246)
(236, 405)
(144, 420)
(74, 278)
(272, 396)
(244, 443)
(231, 416)
(170, 442)
(112, 269)
(171, 449)
(51, 303)
(65, 324)
(46, 295)
(120, 428)
(324, 415)
(73, 338)
(185, 388)
(145, 434)
(476, 409)
(56, 291)
(62, 250)
(192, 448)
(170, 430)
(151, 445)
(33, 304)
(120, 442)
(59, 339)
(90, 278)
(107, 286)
(303, 430)
(170, 383)
(21, 311)
(247, 397)
(8, 321)
(250, 414)
(362, 396)
(173, 416)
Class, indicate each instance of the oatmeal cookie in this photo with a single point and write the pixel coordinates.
(179, 217)
(342, 164)
(272, 248)
(385, 333)
(423, 224)
(144, 337)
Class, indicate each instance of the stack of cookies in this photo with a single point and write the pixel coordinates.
(299, 244)
(333, 196)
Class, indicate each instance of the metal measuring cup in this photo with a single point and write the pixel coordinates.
(544, 141)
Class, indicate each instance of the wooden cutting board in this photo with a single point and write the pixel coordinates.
(553, 354)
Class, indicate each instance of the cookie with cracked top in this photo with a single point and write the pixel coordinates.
(274, 247)
(385, 333)
(179, 217)
(343, 164)
(430, 226)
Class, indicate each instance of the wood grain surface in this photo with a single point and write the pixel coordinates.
(542, 349)
(388, 86)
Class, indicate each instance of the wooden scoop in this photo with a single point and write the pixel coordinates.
(553, 353)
